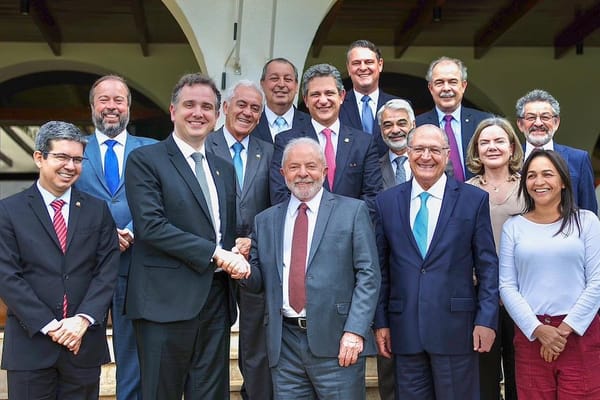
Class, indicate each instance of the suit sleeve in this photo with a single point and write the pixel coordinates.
(145, 194)
(278, 189)
(367, 275)
(254, 283)
(486, 267)
(586, 188)
(372, 180)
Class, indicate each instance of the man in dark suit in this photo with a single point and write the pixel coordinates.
(101, 177)
(316, 260)
(397, 119)
(351, 155)
(251, 158)
(364, 64)
(59, 257)
(538, 118)
(430, 316)
(180, 302)
(447, 82)
(279, 82)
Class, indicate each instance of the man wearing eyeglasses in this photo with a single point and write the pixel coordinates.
(59, 257)
(538, 118)
(430, 318)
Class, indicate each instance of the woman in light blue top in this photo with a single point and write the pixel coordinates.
(550, 285)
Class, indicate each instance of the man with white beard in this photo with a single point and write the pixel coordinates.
(538, 118)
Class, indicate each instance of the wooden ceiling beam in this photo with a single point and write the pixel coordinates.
(6, 159)
(141, 25)
(500, 22)
(45, 22)
(419, 17)
(325, 28)
(17, 139)
(583, 25)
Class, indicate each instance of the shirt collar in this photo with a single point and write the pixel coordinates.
(121, 138)
(436, 190)
(529, 147)
(186, 149)
(373, 95)
(335, 127)
(231, 140)
(49, 197)
(393, 156)
(271, 116)
(455, 114)
(313, 204)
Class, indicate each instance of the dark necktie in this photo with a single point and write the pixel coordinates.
(329, 156)
(61, 232)
(297, 288)
(459, 175)
(111, 166)
(400, 173)
(367, 115)
(421, 224)
(201, 178)
(237, 162)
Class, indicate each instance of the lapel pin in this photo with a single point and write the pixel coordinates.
(466, 119)
(77, 204)
(258, 156)
(346, 140)
(217, 172)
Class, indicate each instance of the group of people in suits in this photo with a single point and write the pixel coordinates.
(339, 234)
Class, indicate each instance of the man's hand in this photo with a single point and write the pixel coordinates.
(234, 264)
(351, 345)
(383, 338)
(125, 239)
(242, 245)
(70, 332)
(483, 338)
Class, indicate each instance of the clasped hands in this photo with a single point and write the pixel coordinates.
(70, 332)
(553, 340)
(232, 262)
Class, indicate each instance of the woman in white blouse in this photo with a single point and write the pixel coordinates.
(550, 285)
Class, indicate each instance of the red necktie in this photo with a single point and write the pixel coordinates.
(297, 288)
(329, 156)
(61, 232)
(454, 153)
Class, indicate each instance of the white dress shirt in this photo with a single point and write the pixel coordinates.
(119, 148)
(335, 128)
(434, 204)
(271, 117)
(456, 128)
(372, 103)
(406, 165)
(529, 147)
(231, 141)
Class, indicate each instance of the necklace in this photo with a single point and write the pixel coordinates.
(495, 188)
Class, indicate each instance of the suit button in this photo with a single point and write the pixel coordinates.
(66, 277)
(423, 270)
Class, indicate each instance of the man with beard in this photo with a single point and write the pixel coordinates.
(364, 65)
(314, 256)
(396, 118)
(447, 82)
(103, 176)
(538, 118)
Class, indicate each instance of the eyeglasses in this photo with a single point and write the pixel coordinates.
(65, 158)
(420, 150)
(531, 118)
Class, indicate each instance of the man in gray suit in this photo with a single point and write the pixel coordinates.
(251, 158)
(314, 256)
(396, 118)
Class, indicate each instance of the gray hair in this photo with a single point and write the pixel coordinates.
(318, 71)
(459, 64)
(396, 105)
(57, 130)
(412, 133)
(537, 95)
(192, 80)
(243, 83)
(282, 60)
(303, 141)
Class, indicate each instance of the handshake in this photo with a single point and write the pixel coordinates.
(234, 262)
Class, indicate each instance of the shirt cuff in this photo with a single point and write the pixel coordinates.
(50, 326)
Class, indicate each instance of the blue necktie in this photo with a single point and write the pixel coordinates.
(111, 166)
(367, 115)
(237, 162)
(421, 223)
(400, 173)
(281, 124)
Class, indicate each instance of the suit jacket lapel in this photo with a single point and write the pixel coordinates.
(74, 210)
(36, 203)
(92, 151)
(253, 159)
(325, 209)
(218, 179)
(278, 224)
(448, 203)
(387, 172)
(403, 205)
(344, 146)
(353, 108)
(466, 129)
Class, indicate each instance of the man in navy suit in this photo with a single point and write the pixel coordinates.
(364, 64)
(447, 82)
(251, 158)
(279, 82)
(433, 233)
(315, 258)
(59, 258)
(351, 154)
(110, 101)
(538, 118)
(179, 299)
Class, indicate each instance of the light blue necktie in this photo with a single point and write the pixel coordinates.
(367, 115)
(400, 173)
(201, 178)
(237, 162)
(281, 124)
(421, 223)
(111, 166)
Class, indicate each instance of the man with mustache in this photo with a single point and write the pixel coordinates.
(103, 176)
(315, 258)
(538, 118)
(364, 64)
(447, 82)
(279, 82)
